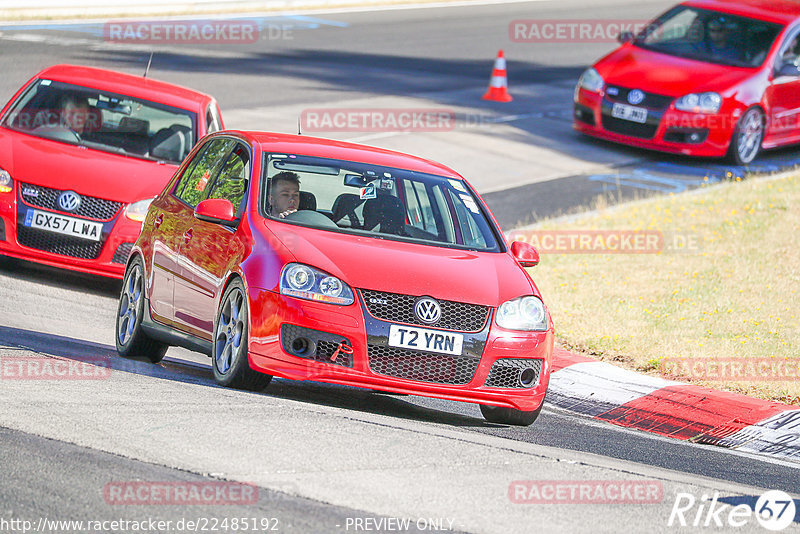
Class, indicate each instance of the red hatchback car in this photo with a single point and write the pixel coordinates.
(311, 259)
(83, 151)
(706, 78)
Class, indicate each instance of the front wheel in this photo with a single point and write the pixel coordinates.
(229, 349)
(510, 416)
(747, 137)
(132, 342)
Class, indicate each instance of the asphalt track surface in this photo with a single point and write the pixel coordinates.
(438, 55)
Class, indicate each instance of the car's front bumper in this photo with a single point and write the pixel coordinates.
(375, 365)
(106, 257)
(666, 129)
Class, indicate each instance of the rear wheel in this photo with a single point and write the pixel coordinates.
(229, 349)
(509, 416)
(132, 342)
(747, 137)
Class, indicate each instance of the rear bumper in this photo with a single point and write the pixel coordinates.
(270, 311)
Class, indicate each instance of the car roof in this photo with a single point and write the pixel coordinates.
(128, 84)
(342, 150)
(780, 11)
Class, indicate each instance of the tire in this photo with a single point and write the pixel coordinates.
(131, 340)
(229, 345)
(510, 416)
(747, 137)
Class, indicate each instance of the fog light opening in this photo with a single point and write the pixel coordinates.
(527, 377)
(301, 346)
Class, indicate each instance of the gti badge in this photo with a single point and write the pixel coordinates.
(428, 310)
(69, 201)
(636, 97)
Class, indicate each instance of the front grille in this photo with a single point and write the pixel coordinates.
(651, 100)
(507, 373)
(397, 308)
(421, 366)
(58, 244)
(319, 346)
(122, 253)
(634, 129)
(90, 207)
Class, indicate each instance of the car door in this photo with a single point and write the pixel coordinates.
(207, 248)
(782, 96)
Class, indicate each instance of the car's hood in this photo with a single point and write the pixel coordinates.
(654, 72)
(90, 172)
(398, 267)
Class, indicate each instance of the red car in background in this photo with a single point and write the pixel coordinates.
(311, 259)
(706, 78)
(83, 151)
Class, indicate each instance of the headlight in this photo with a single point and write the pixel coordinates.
(5, 181)
(591, 81)
(138, 210)
(523, 313)
(304, 282)
(699, 103)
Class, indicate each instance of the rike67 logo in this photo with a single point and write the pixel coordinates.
(775, 510)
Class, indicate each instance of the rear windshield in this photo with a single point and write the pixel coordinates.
(710, 36)
(376, 201)
(104, 121)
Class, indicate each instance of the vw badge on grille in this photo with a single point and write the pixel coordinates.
(636, 97)
(428, 310)
(69, 201)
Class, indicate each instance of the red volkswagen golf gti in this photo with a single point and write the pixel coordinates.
(83, 151)
(706, 78)
(311, 259)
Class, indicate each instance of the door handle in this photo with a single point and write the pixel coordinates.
(187, 236)
(157, 222)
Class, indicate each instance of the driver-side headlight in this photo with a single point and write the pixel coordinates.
(699, 102)
(304, 282)
(522, 313)
(591, 81)
(138, 210)
(6, 183)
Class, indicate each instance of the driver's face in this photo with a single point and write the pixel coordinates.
(285, 196)
(76, 116)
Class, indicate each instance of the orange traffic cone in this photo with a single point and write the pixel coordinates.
(498, 85)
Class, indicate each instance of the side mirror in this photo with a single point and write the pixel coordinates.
(526, 254)
(216, 210)
(789, 69)
(625, 36)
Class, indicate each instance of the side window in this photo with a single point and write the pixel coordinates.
(193, 186)
(231, 182)
(790, 52)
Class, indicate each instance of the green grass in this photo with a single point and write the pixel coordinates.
(737, 296)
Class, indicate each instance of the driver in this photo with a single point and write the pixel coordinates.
(75, 113)
(719, 39)
(284, 194)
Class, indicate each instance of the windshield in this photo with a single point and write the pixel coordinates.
(710, 36)
(104, 121)
(376, 201)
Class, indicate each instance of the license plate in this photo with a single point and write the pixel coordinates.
(409, 337)
(59, 224)
(629, 113)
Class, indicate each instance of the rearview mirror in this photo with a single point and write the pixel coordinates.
(526, 254)
(625, 36)
(216, 210)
